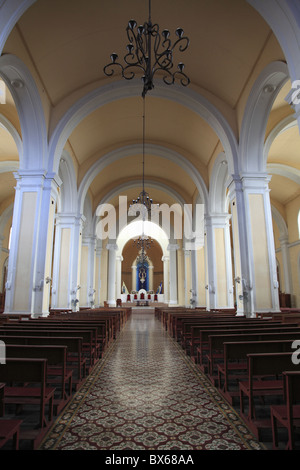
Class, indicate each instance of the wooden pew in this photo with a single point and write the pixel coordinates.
(264, 380)
(57, 372)
(102, 326)
(190, 329)
(234, 365)
(288, 414)
(28, 372)
(202, 338)
(87, 335)
(74, 349)
(9, 428)
(215, 351)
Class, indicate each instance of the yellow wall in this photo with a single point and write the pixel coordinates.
(221, 267)
(260, 252)
(24, 258)
(201, 277)
(62, 298)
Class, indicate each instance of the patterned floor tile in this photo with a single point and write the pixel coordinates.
(146, 394)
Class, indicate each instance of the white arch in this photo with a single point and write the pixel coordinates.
(120, 90)
(280, 222)
(7, 125)
(5, 216)
(218, 203)
(282, 126)
(30, 111)
(284, 170)
(136, 184)
(283, 17)
(68, 193)
(257, 110)
(137, 149)
(10, 13)
(137, 228)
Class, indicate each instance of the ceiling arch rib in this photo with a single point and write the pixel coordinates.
(120, 90)
(134, 149)
(150, 184)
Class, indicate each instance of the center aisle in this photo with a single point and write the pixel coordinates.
(145, 394)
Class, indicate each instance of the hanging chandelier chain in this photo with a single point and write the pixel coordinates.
(140, 55)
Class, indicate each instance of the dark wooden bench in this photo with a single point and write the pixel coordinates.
(9, 428)
(76, 362)
(87, 334)
(234, 365)
(215, 352)
(202, 338)
(57, 372)
(189, 335)
(187, 324)
(288, 414)
(32, 374)
(102, 326)
(264, 380)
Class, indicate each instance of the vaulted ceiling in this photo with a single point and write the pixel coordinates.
(65, 44)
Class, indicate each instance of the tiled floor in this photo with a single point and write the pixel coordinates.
(145, 394)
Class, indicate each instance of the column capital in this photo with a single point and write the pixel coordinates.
(112, 247)
(173, 247)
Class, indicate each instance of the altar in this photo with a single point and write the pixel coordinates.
(142, 297)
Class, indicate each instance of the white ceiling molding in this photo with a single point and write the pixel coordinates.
(285, 171)
(124, 152)
(120, 90)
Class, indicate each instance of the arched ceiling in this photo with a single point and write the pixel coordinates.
(66, 43)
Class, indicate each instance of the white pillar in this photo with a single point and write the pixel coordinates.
(133, 268)
(172, 248)
(257, 259)
(219, 262)
(31, 242)
(194, 277)
(210, 264)
(99, 250)
(67, 261)
(286, 264)
(111, 285)
(187, 254)
(165, 260)
(88, 274)
(119, 260)
(150, 271)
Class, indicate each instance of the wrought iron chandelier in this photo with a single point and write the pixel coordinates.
(150, 52)
(143, 242)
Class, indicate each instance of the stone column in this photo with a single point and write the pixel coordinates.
(258, 274)
(165, 260)
(172, 248)
(284, 242)
(29, 268)
(119, 260)
(99, 250)
(133, 268)
(150, 271)
(67, 261)
(111, 285)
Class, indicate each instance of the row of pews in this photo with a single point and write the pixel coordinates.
(47, 359)
(254, 363)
